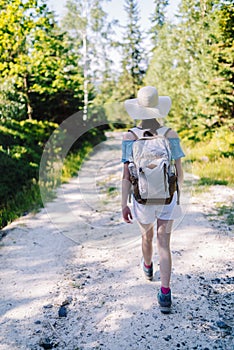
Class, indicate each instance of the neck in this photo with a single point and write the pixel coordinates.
(151, 124)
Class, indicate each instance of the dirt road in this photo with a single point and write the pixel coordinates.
(71, 276)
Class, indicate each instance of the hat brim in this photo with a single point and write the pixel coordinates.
(140, 112)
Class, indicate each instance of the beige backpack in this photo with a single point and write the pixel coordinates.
(152, 173)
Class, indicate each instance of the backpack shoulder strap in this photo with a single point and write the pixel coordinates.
(137, 132)
(163, 130)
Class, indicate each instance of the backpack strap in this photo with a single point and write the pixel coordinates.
(137, 132)
(140, 133)
(163, 130)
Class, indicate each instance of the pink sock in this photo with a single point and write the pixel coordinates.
(165, 290)
(148, 266)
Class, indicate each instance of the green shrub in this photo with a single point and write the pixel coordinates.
(213, 160)
(22, 145)
(73, 162)
(25, 200)
(21, 149)
(228, 213)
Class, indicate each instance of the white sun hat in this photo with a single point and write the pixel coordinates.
(148, 105)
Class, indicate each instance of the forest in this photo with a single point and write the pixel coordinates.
(50, 70)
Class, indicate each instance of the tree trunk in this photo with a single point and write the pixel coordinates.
(29, 107)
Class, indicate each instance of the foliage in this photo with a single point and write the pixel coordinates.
(213, 160)
(216, 172)
(133, 60)
(90, 34)
(193, 63)
(77, 154)
(12, 103)
(43, 74)
(158, 19)
(21, 148)
(28, 199)
(41, 82)
(228, 213)
(73, 162)
(222, 51)
(22, 145)
(220, 145)
(20, 155)
(36, 59)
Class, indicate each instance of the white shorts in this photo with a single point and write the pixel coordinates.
(147, 214)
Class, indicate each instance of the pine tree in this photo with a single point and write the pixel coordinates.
(210, 78)
(193, 63)
(221, 54)
(158, 19)
(133, 61)
(35, 58)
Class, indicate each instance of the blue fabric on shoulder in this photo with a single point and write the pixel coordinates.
(176, 150)
(126, 150)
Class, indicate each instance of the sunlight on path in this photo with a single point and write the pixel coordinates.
(88, 209)
(85, 253)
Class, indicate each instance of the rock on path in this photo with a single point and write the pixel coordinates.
(71, 276)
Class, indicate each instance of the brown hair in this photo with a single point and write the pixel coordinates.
(151, 124)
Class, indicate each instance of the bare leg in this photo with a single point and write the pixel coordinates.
(163, 243)
(147, 242)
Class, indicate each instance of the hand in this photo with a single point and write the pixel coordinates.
(127, 215)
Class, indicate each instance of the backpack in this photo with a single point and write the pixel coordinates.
(152, 173)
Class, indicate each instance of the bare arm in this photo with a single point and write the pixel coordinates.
(126, 185)
(180, 172)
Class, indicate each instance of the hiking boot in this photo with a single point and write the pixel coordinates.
(148, 271)
(164, 301)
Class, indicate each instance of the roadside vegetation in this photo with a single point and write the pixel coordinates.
(47, 76)
(212, 160)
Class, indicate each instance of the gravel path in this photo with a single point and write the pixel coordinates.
(71, 276)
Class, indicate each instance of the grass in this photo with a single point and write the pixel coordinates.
(227, 212)
(111, 190)
(29, 199)
(212, 160)
(73, 162)
(216, 172)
